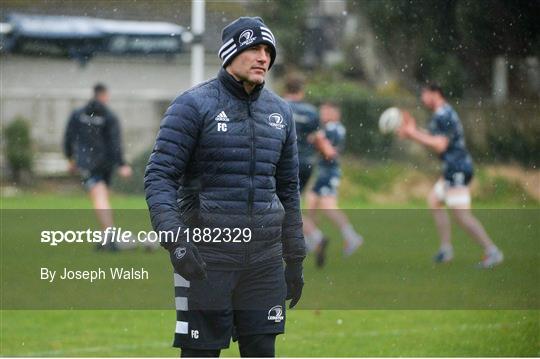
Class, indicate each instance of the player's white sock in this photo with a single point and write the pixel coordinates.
(349, 233)
(490, 250)
(313, 240)
(447, 248)
(352, 240)
(493, 257)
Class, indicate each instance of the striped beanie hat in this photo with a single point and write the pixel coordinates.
(243, 33)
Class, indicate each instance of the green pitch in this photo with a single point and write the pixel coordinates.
(308, 333)
(311, 332)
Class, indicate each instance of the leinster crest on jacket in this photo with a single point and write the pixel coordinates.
(276, 120)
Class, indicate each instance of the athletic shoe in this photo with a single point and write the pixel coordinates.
(148, 245)
(444, 256)
(108, 247)
(492, 259)
(320, 253)
(352, 244)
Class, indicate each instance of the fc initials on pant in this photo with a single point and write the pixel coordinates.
(195, 334)
(222, 127)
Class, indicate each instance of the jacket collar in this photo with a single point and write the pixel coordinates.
(95, 107)
(236, 88)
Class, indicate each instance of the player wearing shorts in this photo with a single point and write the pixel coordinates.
(324, 195)
(310, 138)
(311, 141)
(93, 146)
(226, 161)
(446, 138)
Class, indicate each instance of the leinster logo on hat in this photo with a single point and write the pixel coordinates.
(242, 34)
(246, 37)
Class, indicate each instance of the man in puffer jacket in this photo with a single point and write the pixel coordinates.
(223, 178)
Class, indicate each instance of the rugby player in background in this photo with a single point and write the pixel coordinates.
(445, 137)
(311, 142)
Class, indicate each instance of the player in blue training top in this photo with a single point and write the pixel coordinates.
(311, 141)
(324, 194)
(445, 137)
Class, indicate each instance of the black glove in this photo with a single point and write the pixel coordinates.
(187, 262)
(295, 282)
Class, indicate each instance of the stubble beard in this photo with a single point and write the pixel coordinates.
(254, 80)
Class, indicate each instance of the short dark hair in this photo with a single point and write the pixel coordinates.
(99, 88)
(330, 103)
(434, 87)
(295, 83)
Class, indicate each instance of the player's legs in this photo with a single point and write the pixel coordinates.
(463, 215)
(260, 314)
(328, 204)
(442, 221)
(315, 240)
(352, 240)
(199, 353)
(313, 234)
(326, 188)
(257, 346)
(99, 195)
(458, 199)
(98, 190)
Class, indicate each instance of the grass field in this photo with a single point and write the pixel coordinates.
(330, 332)
(309, 333)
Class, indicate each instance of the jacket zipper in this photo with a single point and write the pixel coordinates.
(251, 174)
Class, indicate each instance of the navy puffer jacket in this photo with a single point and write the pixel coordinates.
(92, 138)
(226, 159)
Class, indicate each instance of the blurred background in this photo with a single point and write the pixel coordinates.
(366, 55)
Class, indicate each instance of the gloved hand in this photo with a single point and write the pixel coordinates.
(187, 262)
(295, 282)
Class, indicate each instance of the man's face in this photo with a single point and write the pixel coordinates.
(251, 65)
(329, 113)
(103, 97)
(428, 98)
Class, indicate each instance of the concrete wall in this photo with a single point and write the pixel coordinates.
(46, 90)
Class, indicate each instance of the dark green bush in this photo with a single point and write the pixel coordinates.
(509, 133)
(18, 148)
(134, 184)
(361, 109)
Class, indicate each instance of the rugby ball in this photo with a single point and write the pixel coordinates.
(390, 120)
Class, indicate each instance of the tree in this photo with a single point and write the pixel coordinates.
(453, 41)
(286, 19)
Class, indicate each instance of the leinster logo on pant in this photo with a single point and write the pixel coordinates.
(276, 314)
(276, 120)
